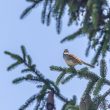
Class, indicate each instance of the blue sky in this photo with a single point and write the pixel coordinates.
(42, 43)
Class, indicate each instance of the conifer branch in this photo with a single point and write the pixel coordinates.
(89, 87)
(89, 15)
(82, 73)
(98, 100)
(36, 77)
(29, 77)
(28, 102)
(98, 87)
(72, 36)
(103, 68)
(105, 94)
(28, 9)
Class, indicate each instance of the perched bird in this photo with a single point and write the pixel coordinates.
(72, 60)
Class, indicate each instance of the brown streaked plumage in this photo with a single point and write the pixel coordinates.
(72, 60)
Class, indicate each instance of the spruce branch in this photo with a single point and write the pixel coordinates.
(88, 49)
(97, 55)
(70, 105)
(82, 73)
(26, 70)
(23, 49)
(37, 98)
(62, 69)
(14, 56)
(36, 77)
(72, 36)
(47, 81)
(29, 9)
(68, 78)
(56, 68)
(91, 16)
(49, 13)
(92, 76)
(29, 77)
(12, 66)
(95, 25)
(89, 87)
(28, 102)
(103, 68)
(60, 78)
(104, 105)
(105, 94)
(43, 16)
(99, 86)
(98, 100)
(29, 60)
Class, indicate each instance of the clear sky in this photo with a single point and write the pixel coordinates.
(42, 43)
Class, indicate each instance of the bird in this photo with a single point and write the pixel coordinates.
(71, 60)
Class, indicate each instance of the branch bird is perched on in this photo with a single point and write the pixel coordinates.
(72, 60)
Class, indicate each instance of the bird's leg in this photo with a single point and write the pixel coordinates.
(74, 70)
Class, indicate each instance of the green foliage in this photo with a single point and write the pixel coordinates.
(28, 102)
(44, 11)
(99, 86)
(60, 69)
(36, 77)
(29, 77)
(56, 68)
(70, 105)
(60, 77)
(42, 93)
(103, 105)
(88, 49)
(82, 73)
(85, 73)
(103, 68)
(95, 15)
(74, 99)
(64, 78)
(26, 70)
(12, 66)
(19, 60)
(94, 85)
(72, 36)
(59, 10)
(29, 59)
(105, 95)
(14, 56)
(97, 55)
(91, 16)
(105, 46)
(89, 87)
(29, 9)
(68, 78)
(65, 75)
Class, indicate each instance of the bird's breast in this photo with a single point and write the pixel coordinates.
(69, 61)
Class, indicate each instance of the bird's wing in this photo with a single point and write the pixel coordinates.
(75, 59)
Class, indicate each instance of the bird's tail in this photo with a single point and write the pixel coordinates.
(88, 64)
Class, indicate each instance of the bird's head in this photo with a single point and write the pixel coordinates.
(66, 51)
